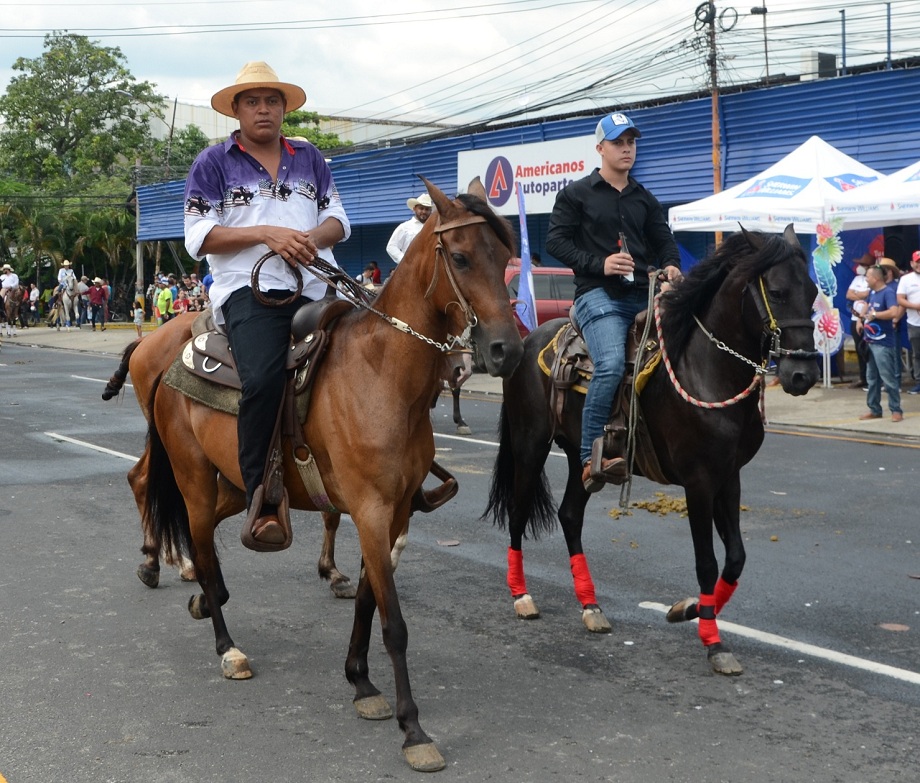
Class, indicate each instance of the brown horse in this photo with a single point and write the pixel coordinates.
(230, 499)
(451, 279)
(749, 302)
(12, 306)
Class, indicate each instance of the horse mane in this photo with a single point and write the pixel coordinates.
(744, 255)
(496, 222)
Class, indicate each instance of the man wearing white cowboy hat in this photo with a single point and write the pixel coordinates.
(97, 302)
(406, 232)
(259, 192)
(65, 274)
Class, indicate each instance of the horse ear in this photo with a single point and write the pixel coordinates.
(437, 196)
(790, 237)
(476, 188)
(754, 240)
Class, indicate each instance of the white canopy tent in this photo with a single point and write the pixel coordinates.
(890, 201)
(793, 190)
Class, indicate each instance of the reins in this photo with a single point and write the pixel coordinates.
(359, 296)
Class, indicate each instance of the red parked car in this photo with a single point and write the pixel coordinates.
(553, 290)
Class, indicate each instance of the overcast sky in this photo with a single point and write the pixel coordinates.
(455, 61)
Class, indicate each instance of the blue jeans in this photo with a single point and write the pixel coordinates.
(882, 368)
(604, 323)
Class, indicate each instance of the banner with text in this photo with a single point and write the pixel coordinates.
(542, 170)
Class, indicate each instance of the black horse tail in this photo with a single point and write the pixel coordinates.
(117, 381)
(537, 505)
(165, 510)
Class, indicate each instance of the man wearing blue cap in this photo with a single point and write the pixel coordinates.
(610, 230)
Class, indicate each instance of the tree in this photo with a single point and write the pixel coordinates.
(67, 118)
(306, 124)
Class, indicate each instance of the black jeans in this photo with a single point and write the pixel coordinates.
(259, 338)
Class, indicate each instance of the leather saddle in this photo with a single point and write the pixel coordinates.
(208, 355)
(565, 359)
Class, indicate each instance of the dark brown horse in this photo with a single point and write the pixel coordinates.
(719, 326)
(450, 279)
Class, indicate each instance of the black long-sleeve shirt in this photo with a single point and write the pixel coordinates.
(584, 229)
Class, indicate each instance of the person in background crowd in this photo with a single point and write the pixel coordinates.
(877, 328)
(83, 286)
(34, 295)
(909, 301)
(892, 274)
(405, 232)
(164, 300)
(139, 319)
(97, 303)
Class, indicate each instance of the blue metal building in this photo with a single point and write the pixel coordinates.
(871, 116)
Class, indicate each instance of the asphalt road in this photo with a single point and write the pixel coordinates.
(103, 679)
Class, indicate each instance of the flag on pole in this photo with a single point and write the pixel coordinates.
(525, 305)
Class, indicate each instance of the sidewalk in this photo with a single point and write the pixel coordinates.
(836, 408)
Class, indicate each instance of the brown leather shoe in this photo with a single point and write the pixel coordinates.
(267, 530)
(870, 415)
(897, 417)
(591, 484)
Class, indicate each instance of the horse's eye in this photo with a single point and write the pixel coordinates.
(460, 260)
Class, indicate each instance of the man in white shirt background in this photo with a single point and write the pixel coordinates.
(406, 232)
(909, 299)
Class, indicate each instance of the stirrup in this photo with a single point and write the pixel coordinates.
(615, 473)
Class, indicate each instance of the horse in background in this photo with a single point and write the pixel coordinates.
(70, 298)
(700, 420)
(12, 307)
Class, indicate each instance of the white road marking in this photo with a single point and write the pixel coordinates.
(806, 649)
(552, 453)
(98, 380)
(92, 446)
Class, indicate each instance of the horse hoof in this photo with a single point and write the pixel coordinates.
(464, 429)
(343, 588)
(595, 621)
(525, 608)
(234, 665)
(424, 758)
(198, 607)
(188, 574)
(723, 662)
(373, 708)
(678, 613)
(148, 576)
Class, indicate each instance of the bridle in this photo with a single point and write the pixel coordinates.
(359, 296)
(772, 330)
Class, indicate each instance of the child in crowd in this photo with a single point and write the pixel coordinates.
(139, 319)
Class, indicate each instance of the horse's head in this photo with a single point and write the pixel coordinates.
(472, 246)
(784, 294)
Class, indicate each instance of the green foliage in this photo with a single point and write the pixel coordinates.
(65, 117)
(306, 124)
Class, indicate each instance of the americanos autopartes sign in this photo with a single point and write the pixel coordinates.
(542, 169)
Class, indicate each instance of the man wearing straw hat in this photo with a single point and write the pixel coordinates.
(259, 192)
(405, 232)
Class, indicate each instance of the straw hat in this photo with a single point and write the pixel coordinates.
(422, 201)
(97, 280)
(6, 268)
(253, 76)
(65, 262)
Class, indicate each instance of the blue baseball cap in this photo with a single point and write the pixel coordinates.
(613, 126)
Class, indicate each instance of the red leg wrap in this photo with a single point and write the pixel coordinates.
(723, 593)
(709, 631)
(516, 582)
(584, 585)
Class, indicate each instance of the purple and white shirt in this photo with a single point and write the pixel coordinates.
(226, 186)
